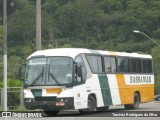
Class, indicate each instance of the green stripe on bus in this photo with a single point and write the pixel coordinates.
(37, 92)
(105, 89)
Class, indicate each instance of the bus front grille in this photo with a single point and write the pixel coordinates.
(45, 98)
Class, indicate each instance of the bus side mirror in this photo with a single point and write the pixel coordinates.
(21, 73)
(78, 73)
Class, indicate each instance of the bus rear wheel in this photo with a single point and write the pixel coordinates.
(91, 105)
(135, 105)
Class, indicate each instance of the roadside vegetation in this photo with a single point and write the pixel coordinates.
(92, 24)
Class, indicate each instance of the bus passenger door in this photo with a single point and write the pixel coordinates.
(80, 95)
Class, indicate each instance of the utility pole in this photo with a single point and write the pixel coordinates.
(5, 54)
(38, 25)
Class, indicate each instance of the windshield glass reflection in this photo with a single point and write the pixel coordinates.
(49, 71)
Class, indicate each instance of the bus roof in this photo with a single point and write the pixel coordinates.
(73, 52)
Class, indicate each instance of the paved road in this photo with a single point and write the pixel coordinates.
(151, 106)
(74, 115)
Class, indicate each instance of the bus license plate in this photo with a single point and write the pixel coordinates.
(60, 103)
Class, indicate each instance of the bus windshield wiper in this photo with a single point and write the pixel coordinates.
(38, 76)
(50, 74)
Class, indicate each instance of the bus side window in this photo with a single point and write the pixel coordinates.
(136, 66)
(95, 63)
(110, 64)
(80, 71)
(147, 66)
(123, 65)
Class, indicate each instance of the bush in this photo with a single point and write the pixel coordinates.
(14, 90)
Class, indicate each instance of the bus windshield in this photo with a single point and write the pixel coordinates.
(49, 71)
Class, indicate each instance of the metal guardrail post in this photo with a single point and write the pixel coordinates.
(2, 98)
(21, 97)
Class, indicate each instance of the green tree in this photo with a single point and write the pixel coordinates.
(97, 24)
(21, 24)
(156, 62)
(78, 19)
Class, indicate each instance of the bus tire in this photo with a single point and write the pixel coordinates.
(135, 105)
(91, 105)
(103, 109)
(51, 113)
(136, 101)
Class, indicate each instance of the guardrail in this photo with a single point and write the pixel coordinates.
(14, 97)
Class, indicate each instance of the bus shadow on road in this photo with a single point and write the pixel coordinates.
(92, 114)
(108, 113)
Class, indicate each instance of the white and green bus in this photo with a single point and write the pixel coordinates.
(86, 80)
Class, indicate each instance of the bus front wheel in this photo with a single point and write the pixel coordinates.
(90, 106)
(51, 113)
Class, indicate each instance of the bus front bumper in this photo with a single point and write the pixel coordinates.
(43, 103)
